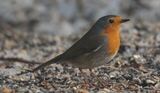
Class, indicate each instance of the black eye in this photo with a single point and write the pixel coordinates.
(111, 20)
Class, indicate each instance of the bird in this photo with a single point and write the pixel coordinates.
(97, 47)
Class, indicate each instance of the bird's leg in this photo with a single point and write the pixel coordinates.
(91, 72)
(83, 75)
(100, 80)
(86, 82)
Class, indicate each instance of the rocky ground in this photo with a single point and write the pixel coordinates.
(136, 68)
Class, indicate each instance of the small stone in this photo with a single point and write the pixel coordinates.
(150, 82)
(136, 56)
(82, 91)
(105, 90)
(114, 74)
(139, 59)
(5, 90)
(9, 44)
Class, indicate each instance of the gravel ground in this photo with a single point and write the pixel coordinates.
(136, 69)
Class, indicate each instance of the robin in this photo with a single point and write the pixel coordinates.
(97, 47)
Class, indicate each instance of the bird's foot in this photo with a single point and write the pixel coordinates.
(99, 81)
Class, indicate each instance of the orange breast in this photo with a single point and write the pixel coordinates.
(112, 33)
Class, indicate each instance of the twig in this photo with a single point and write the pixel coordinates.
(18, 60)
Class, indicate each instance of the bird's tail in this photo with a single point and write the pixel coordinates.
(54, 60)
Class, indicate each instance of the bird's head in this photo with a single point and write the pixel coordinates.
(111, 21)
(107, 24)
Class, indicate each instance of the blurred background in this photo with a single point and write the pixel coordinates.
(64, 17)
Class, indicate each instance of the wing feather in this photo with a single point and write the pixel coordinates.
(84, 46)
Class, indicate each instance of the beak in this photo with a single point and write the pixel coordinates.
(124, 20)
